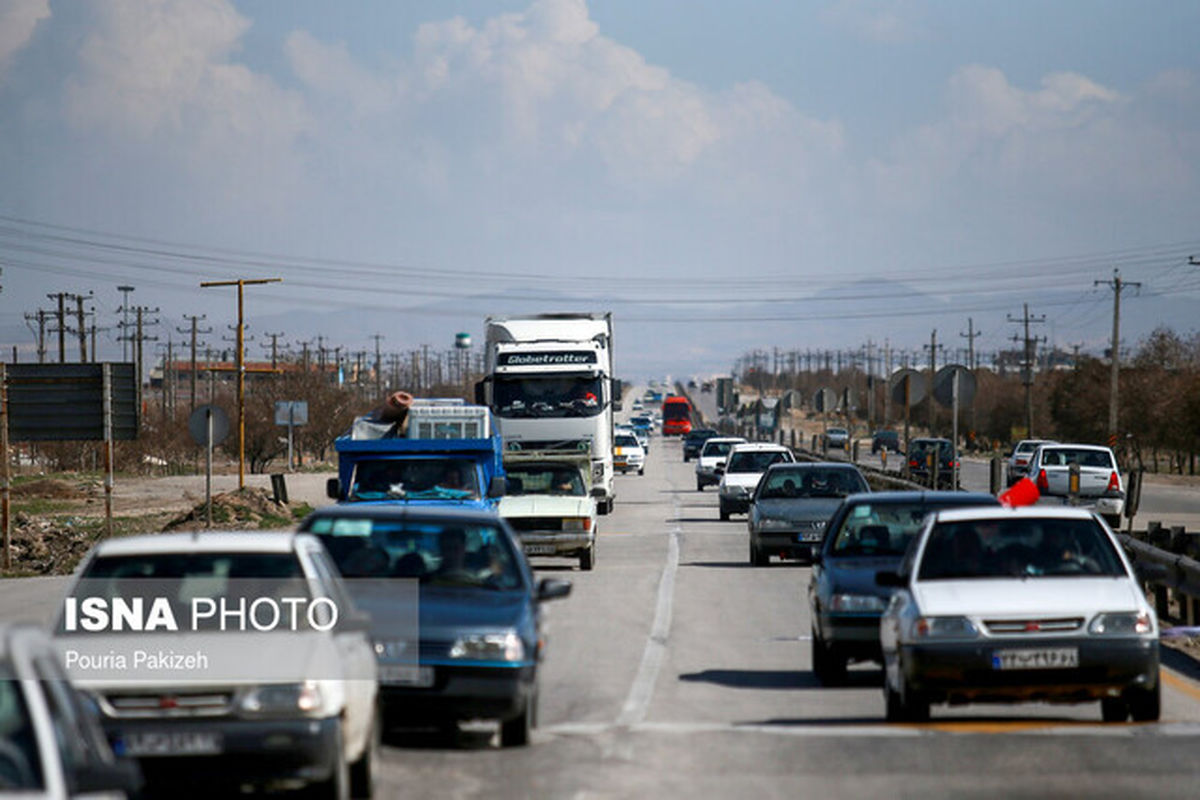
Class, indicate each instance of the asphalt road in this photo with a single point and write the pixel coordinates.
(676, 669)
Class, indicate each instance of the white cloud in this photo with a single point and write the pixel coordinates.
(18, 19)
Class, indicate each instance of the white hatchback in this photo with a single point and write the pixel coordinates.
(742, 471)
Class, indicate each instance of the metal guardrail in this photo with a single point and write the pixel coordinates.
(1179, 581)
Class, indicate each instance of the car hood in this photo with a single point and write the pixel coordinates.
(1073, 596)
(857, 575)
(546, 505)
(809, 508)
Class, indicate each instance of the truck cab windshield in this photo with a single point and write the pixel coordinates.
(415, 479)
(549, 396)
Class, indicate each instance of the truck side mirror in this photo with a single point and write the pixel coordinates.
(616, 394)
(496, 486)
(333, 489)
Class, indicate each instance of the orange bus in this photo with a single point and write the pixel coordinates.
(676, 416)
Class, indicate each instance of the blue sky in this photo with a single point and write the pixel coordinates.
(727, 155)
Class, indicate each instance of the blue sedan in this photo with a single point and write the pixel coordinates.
(461, 579)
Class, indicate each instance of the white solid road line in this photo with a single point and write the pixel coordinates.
(637, 703)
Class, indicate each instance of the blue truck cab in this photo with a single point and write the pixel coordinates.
(448, 455)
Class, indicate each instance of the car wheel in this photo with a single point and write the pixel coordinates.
(686, 458)
(1145, 705)
(337, 785)
(1113, 709)
(895, 708)
(904, 705)
(587, 558)
(642, 471)
(724, 512)
(515, 732)
(761, 559)
(699, 485)
(828, 666)
(362, 771)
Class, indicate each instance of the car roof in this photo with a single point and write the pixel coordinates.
(200, 542)
(898, 497)
(726, 439)
(1003, 512)
(929, 439)
(755, 447)
(803, 465)
(1053, 445)
(402, 511)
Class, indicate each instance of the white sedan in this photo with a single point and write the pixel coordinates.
(1008, 606)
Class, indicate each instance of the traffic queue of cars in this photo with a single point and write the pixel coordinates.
(959, 599)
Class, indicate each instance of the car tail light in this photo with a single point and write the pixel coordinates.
(1022, 462)
(1043, 484)
(912, 462)
(1114, 482)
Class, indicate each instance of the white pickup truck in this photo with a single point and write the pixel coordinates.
(548, 503)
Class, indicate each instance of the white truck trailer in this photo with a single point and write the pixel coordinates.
(550, 385)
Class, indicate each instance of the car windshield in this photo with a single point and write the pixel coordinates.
(1025, 547)
(628, 440)
(20, 766)
(676, 411)
(415, 479)
(810, 482)
(549, 396)
(883, 529)
(716, 449)
(754, 461)
(436, 552)
(544, 479)
(836, 432)
(1064, 456)
(920, 448)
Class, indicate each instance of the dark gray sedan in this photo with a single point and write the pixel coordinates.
(869, 533)
(792, 503)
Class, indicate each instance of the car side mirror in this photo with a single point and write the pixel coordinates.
(892, 579)
(496, 486)
(552, 589)
(96, 777)
(598, 492)
(333, 489)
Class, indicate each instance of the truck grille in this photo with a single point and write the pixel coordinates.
(520, 524)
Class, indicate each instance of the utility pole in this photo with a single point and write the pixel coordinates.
(1027, 362)
(41, 333)
(241, 283)
(140, 339)
(124, 337)
(378, 337)
(61, 297)
(82, 329)
(1117, 285)
(195, 331)
(970, 336)
(933, 348)
(274, 349)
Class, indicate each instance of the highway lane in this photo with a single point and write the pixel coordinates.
(677, 669)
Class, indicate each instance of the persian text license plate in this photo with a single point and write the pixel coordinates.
(1047, 658)
(174, 743)
(540, 549)
(405, 675)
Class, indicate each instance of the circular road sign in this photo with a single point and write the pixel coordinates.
(943, 385)
(198, 424)
(916, 386)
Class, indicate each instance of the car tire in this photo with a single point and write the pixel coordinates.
(362, 771)
(515, 732)
(905, 705)
(642, 471)
(724, 512)
(1114, 709)
(686, 458)
(699, 485)
(587, 559)
(337, 785)
(828, 666)
(1145, 705)
(758, 558)
(895, 711)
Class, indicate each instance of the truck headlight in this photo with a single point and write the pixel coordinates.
(489, 647)
(283, 699)
(1130, 623)
(943, 628)
(855, 602)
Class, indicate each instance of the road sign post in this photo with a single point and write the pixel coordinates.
(208, 425)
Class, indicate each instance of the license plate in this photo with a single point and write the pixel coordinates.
(405, 675)
(1049, 658)
(540, 549)
(809, 536)
(175, 743)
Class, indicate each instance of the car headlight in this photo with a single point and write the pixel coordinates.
(489, 647)
(943, 628)
(577, 524)
(283, 699)
(775, 524)
(855, 602)
(1126, 624)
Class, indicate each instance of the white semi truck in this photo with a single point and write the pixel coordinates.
(550, 385)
